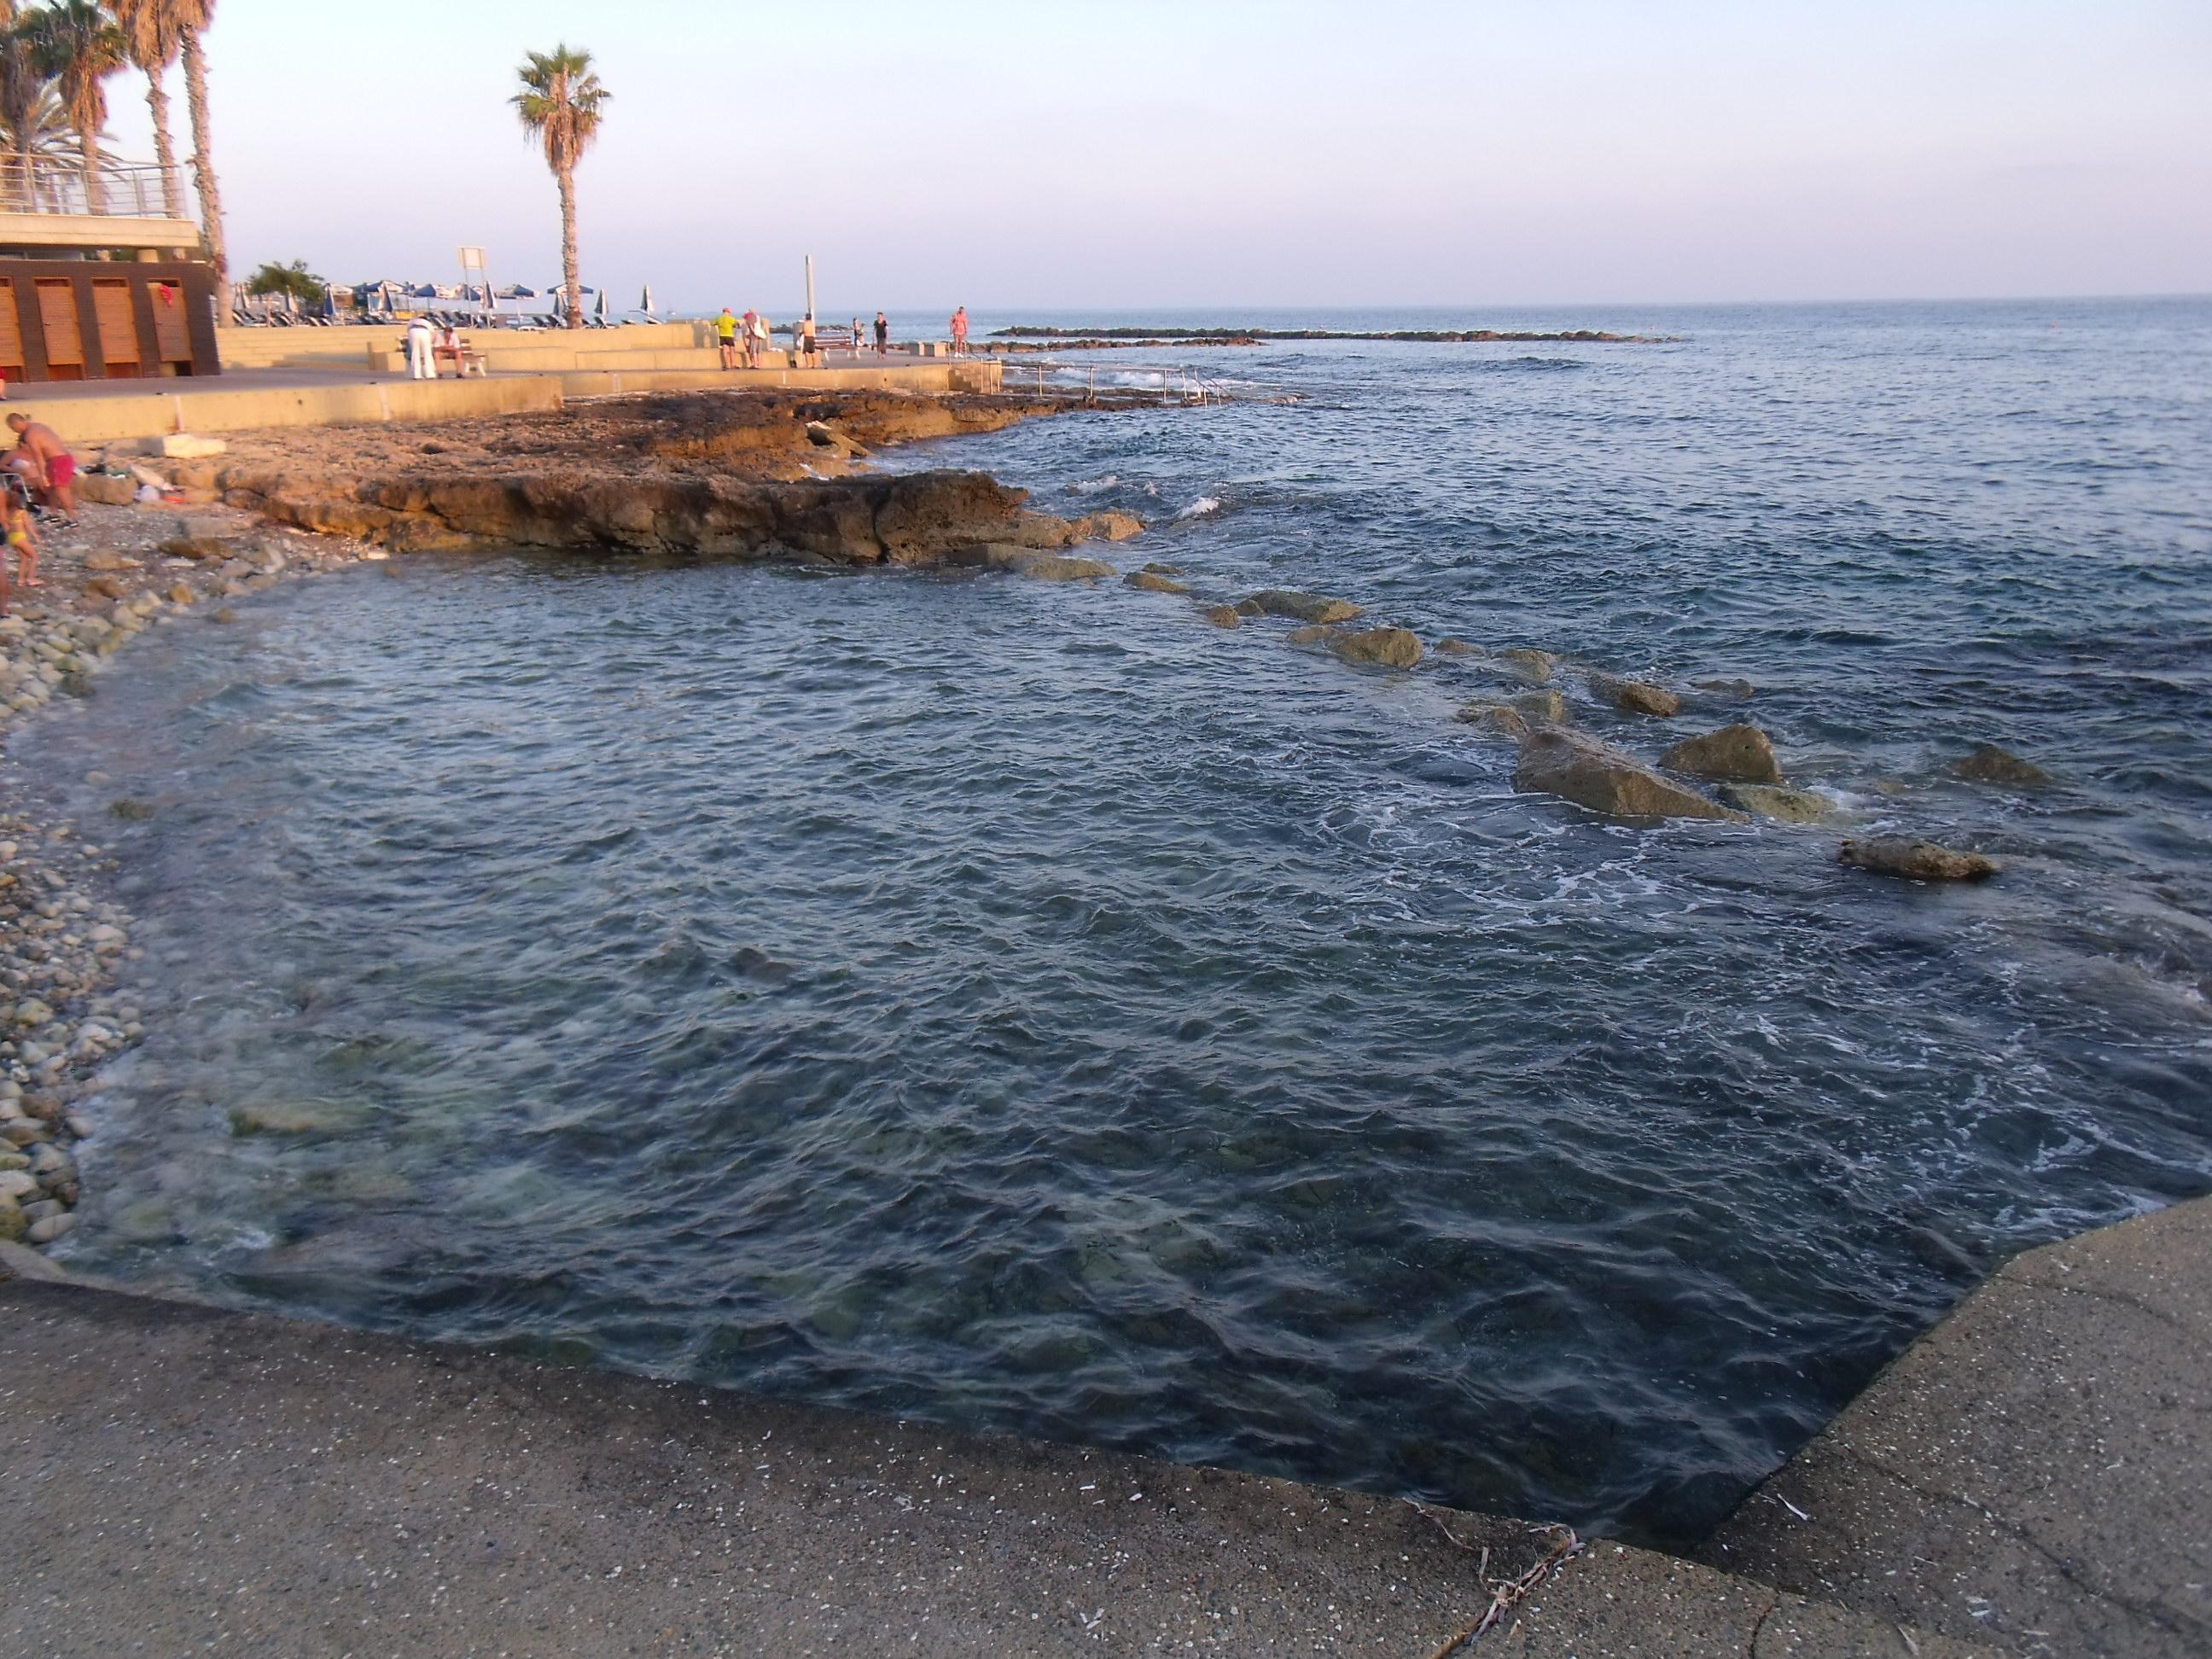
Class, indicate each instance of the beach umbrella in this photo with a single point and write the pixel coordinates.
(560, 302)
(329, 309)
(516, 291)
(599, 311)
(646, 304)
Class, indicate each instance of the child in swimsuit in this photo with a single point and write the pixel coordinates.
(23, 544)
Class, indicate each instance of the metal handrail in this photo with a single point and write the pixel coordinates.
(57, 184)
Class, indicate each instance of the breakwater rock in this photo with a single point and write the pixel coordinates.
(1256, 336)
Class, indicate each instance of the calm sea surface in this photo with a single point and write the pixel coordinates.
(1023, 1005)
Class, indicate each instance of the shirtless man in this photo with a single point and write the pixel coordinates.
(52, 469)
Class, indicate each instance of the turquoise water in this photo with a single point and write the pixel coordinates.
(1024, 1006)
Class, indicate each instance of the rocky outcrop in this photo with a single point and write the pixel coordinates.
(1517, 716)
(1380, 647)
(1533, 665)
(1148, 581)
(1915, 861)
(914, 519)
(1545, 705)
(1635, 697)
(1557, 762)
(1449, 646)
(1298, 607)
(1735, 754)
(1787, 806)
(1990, 764)
(1224, 615)
(1313, 633)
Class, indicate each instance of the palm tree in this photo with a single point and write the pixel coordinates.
(562, 103)
(193, 18)
(80, 49)
(153, 35)
(22, 87)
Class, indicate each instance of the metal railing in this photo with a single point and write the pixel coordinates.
(117, 190)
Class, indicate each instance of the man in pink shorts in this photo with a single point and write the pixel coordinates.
(53, 469)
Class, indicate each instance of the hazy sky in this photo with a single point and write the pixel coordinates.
(1230, 153)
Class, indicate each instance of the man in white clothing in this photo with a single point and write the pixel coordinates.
(421, 364)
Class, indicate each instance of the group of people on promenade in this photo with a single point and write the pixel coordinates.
(41, 471)
(745, 340)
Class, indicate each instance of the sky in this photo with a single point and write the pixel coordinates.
(1221, 153)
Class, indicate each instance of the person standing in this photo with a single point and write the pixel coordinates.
(422, 342)
(960, 332)
(760, 338)
(726, 336)
(805, 342)
(45, 462)
(859, 338)
(883, 335)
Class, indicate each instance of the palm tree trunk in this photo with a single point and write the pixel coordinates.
(195, 99)
(95, 198)
(165, 151)
(570, 264)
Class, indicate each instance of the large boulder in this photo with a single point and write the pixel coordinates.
(1533, 665)
(1990, 764)
(1298, 607)
(1382, 647)
(1635, 697)
(1449, 646)
(1497, 717)
(1021, 561)
(1736, 754)
(106, 488)
(1556, 761)
(1224, 615)
(1914, 861)
(1787, 806)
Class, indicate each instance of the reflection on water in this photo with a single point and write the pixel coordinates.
(1021, 1004)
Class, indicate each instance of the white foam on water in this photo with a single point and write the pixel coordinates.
(1093, 486)
(1201, 507)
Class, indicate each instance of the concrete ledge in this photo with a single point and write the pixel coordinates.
(185, 1479)
(907, 377)
(85, 422)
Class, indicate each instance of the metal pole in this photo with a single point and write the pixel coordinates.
(810, 285)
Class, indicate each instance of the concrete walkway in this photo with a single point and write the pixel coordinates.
(184, 1481)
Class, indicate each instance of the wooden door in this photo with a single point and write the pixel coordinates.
(11, 333)
(171, 343)
(64, 341)
(118, 328)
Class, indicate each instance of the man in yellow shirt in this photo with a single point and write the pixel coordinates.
(726, 333)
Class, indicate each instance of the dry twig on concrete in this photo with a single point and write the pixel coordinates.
(1507, 1594)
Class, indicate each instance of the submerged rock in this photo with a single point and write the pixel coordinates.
(1914, 861)
(1299, 607)
(1312, 634)
(1787, 806)
(1500, 718)
(1058, 568)
(1384, 648)
(1534, 666)
(1224, 615)
(1449, 646)
(1738, 689)
(1110, 526)
(1736, 754)
(1150, 582)
(1990, 764)
(1558, 762)
(1545, 705)
(1156, 569)
(1635, 697)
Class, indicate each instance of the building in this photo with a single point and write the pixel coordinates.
(103, 276)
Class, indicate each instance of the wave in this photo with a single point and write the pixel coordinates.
(1199, 508)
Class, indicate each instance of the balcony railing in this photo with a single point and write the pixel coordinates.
(117, 190)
